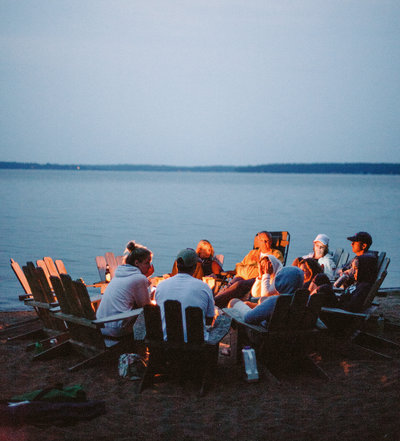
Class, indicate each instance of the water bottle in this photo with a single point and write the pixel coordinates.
(108, 274)
(250, 364)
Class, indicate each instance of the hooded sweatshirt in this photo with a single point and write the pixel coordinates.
(128, 289)
(264, 286)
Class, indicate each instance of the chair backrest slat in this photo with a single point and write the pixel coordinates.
(298, 309)
(51, 266)
(378, 283)
(101, 267)
(41, 264)
(194, 325)
(279, 316)
(173, 321)
(336, 256)
(60, 266)
(343, 259)
(20, 276)
(152, 319)
(112, 262)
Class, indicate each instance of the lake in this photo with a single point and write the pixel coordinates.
(77, 215)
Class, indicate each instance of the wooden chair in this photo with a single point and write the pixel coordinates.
(42, 301)
(283, 344)
(85, 334)
(354, 326)
(195, 358)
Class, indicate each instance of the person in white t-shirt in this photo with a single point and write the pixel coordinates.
(187, 290)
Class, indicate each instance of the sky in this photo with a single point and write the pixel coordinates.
(199, 82)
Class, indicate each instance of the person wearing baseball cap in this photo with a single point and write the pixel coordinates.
(360, 242)
(322, 254)
(188, 290)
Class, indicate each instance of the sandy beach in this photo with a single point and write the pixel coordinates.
(360, 401)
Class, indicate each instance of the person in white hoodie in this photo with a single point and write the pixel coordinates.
(128, 289)
(264, 286)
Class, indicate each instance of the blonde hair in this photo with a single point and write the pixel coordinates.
(205, 243)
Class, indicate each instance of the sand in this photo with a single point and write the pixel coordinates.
(359, 401)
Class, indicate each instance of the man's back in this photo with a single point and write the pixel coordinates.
(189, 292)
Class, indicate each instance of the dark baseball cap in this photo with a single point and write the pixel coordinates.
(189, 257)
(361, 236)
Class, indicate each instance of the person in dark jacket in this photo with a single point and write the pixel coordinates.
(364, 272)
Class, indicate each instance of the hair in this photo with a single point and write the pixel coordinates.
(136, 252)
(312, 264)
(255, 244)
(202, 243)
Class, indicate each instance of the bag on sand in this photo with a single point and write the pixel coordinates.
(131, 366)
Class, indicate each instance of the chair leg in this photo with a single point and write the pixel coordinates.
(366, 339)
(52, 352)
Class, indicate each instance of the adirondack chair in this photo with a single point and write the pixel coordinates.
(355, 326)
(196, 358)
(112, 262)
(42, 301)
(283, 344)
(85, 334)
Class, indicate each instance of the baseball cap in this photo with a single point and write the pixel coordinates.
(189, 257)
(361, 236)
(323, 238)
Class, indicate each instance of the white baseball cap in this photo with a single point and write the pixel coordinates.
(323, 238)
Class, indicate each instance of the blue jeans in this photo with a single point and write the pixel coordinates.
(262, 312)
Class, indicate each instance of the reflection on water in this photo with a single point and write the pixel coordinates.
(75, 215)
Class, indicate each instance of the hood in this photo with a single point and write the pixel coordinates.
(289, 279)
(276, 264)
(126, 271)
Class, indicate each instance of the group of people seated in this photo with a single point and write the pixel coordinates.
(253, 287)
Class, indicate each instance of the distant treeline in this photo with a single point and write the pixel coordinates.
(324, 168)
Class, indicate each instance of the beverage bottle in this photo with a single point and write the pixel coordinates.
(108, 274)
(250, 364)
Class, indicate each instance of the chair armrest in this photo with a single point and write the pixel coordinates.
(115, 317)
(220, 328)
(343, 312)
(237, 317)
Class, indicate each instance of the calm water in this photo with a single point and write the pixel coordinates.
(75, 216)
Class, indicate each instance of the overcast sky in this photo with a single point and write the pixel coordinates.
(199, 82)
